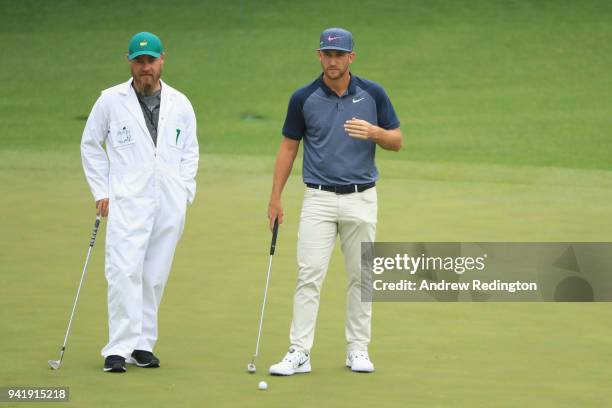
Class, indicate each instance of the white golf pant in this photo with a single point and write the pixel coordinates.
(142, 232)
(324, 216)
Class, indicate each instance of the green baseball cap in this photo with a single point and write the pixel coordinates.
(145, 44)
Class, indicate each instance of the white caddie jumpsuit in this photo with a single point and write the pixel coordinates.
(149, 187)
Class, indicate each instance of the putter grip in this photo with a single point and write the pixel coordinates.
(94, 232)
(274, 235)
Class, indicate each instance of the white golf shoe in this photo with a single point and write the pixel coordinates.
(359, 361)
(294, 362)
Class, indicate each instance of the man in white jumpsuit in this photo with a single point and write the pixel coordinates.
(140, 156)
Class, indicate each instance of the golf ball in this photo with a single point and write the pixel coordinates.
(262, 385)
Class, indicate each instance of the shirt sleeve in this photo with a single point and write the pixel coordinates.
(191, 152)
(95, 161)
(387, 119)
(294, 126)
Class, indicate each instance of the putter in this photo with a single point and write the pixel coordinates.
(251, 366)
(55, 364)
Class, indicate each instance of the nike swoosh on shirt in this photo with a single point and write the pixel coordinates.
(358, 100)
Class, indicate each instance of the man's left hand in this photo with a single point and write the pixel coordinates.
(361, 129)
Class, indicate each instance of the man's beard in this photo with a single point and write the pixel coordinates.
(335, 74)
(147, 84)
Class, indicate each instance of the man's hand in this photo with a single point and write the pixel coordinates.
(361, 129)
(275, 210)
(388, 139)
(102, 207)
(282, 168)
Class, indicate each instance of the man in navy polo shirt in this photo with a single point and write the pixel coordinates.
(341, 119)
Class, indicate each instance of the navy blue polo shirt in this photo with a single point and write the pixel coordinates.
(317, 115)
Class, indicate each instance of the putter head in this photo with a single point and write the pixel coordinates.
(54, 364)
(251, 368)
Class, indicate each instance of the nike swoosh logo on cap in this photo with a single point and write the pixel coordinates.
(330, 38)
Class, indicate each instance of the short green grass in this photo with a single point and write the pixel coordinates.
(505, 108)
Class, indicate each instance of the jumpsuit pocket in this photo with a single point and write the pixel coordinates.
(122, 135)
(176, 136)
(133, 184)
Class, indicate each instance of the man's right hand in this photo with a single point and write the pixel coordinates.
(282, 168)
(275, 210)
(102, 207)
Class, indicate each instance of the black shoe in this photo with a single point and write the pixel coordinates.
(114, 364)
(144, 359)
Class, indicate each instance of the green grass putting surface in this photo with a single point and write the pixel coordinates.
(506, 113)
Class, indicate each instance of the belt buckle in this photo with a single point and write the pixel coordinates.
(342, 190)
